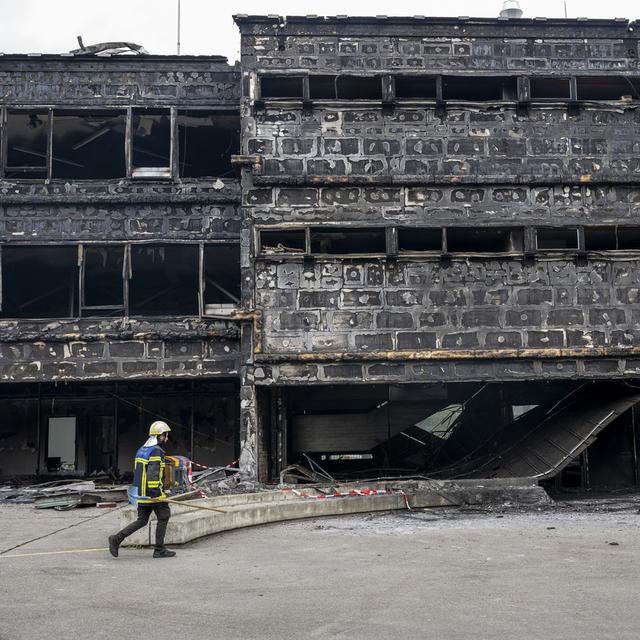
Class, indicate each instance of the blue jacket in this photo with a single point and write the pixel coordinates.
(148, 474)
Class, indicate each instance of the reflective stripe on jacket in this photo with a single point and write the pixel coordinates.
(148, 474)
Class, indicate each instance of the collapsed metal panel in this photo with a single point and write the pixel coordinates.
(561, 437)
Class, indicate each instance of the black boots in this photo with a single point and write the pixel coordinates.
(114, 543)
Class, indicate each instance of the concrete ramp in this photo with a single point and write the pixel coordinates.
(561, 436)
(252, 509)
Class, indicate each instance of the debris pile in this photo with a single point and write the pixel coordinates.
(64, 494)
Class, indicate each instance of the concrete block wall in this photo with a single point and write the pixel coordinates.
(409, 305)
(437, 44)
(482, 144)
(102, 81)
(66, 350)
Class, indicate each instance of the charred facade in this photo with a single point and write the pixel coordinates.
(120, 259)
(383, 244)
(443, 217)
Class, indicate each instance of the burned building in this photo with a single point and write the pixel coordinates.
(381, 245)
(444, 218)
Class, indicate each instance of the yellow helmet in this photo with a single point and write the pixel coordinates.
(159, 427)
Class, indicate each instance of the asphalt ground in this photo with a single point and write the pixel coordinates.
(429, 574)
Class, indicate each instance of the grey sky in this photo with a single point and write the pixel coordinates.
(51, 26)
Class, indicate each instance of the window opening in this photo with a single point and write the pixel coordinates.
(221, 278)
(206, 142)
(347, 241)
(164, 280)
(27, 141)
(345, 87)
(61, 444)
(39, 282)
(600, 238)
(416, 87)
(151, 143)
(557, 238)
(607, 88)
(479, 88)
(410, 239)
(550, 88)
(281, 87)
(461, 239)
(283, 241)
(89, 145)
(103, 280)
(628, 238)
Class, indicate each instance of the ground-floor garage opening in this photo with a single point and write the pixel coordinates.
(571, 435)
(87, 429)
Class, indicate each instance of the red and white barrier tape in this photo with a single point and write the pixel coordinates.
(204, 466)
(352, 492)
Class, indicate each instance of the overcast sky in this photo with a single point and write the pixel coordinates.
(51, 26)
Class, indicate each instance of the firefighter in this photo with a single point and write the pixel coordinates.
(148, 476)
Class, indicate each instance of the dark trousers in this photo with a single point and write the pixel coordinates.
(163, 513)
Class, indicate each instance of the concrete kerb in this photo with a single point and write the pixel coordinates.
(252, 509)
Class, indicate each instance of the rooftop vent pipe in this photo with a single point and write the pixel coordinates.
(511, 9)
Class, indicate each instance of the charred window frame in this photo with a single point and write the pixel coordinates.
(151, 143)
(103, 279)
(556, 239)
(477, 88)
(39, 281)
(220, 278)
(206, 140)
(281, 87)
(94, 280)
(348, 241)
(607, 88)
(611, 238)
(89, 144)
(26, 143)
(552, 89)
(420, 240)
(283, 241)
(484, 241)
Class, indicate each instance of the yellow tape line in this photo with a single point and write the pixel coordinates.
(52, 553)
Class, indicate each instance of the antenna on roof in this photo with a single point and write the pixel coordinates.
(178, 47)
(565, 9)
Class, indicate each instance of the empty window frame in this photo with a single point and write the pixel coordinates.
(611, 238)
(489, 240)
(206, 141)
(39, 281)
(345, 87)
(103, 280)
(348, 241)
(278, 241)
(607, 87)
(280, 86)
(544, 88)
(553, 238)
(416, 87)
(221, 277)
(151, 143)
(89, 145)
(479, 88)
(27, 143)
(164, 280)
(412, 240)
